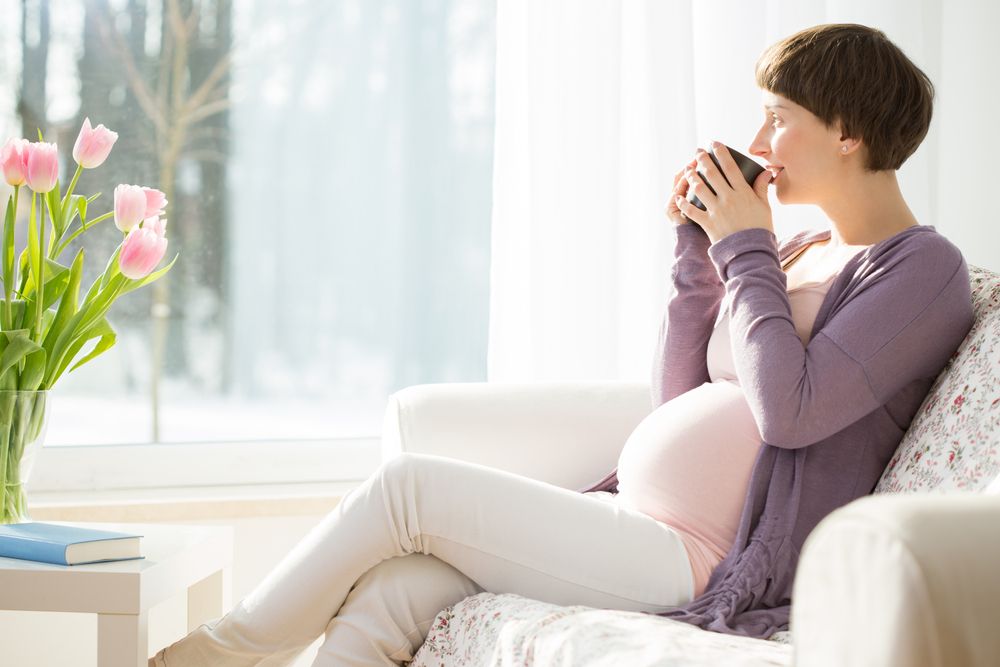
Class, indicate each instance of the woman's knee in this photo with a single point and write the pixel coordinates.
(390, 609)
(400, 465)
(414, 587)
(409, 468)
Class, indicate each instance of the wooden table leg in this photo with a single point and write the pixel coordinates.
(122, 640)
(207, 598)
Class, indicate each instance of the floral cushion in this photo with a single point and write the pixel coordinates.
(508, 630)
(953, 442)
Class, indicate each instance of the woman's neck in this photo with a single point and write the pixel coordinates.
(873, 210)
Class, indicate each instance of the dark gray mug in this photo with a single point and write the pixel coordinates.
(748, 167)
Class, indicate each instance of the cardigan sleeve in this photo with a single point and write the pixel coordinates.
(680, 359)
(899, 319)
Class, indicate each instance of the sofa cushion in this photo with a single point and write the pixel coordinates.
(953, 442)
(507, 630)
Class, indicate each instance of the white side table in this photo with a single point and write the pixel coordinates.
(197, 559)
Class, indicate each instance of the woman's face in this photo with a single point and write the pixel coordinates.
(807, 153)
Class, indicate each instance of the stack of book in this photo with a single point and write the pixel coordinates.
(63, 544)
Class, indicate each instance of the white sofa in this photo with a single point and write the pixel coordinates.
(909, 576)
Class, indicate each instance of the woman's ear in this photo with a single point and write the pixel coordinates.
(851, 143)
(848, 145)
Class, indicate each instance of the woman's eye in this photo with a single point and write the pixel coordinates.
(775, 119)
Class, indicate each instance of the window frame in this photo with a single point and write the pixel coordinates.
(82, 469)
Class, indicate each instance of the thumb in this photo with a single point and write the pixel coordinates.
(761, 182)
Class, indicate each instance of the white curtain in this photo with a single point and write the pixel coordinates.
(599, 103)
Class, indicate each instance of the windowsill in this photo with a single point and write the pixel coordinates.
(189, 503)
(149, 472)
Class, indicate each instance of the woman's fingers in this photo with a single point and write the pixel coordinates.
(681, 187)
(681, 180)
(680, 174)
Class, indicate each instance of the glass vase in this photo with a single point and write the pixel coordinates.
(22, 430)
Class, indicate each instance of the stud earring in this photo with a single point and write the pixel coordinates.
(843, 149)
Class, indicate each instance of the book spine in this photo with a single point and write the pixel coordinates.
(43, 552)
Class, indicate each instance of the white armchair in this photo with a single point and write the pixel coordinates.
(567, 434)
(906, 577)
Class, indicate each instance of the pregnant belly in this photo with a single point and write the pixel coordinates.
(688, 463)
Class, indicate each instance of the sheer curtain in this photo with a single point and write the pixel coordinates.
(598, 105)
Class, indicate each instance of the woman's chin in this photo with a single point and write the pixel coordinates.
(781, 194)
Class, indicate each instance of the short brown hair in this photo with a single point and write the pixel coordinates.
(853, 74)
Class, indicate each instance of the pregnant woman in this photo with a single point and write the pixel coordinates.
(786, 374)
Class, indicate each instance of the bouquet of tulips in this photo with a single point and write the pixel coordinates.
(44, 325)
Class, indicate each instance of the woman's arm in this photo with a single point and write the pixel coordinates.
(680, 360)
(899, 320)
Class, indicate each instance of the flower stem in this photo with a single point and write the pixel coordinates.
(27, 256)
(72, 185)
(40, 287)
(5, 423)
(22, 417)
(65, 244)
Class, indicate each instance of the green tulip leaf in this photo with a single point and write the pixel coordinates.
(111, 270)
(102, 330)
(22, 266)
(107, 335)
(81, 208)
(19, 345)
(67, 306)
(34, 371)
(91, 312)
(136, 284)
(56, 212)
(17, 309)
(56, 279)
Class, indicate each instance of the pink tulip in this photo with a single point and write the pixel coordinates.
(14, 158)
(143, 249)
(93, 145)
(130, 206)
(43, 166)
(156, 201)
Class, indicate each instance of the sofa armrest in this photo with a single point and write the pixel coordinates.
(894, 580)
(566, 433)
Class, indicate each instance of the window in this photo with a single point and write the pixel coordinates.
(328, 169)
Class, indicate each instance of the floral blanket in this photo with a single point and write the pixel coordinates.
(506, 630)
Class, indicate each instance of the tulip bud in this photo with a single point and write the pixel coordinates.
(143, 249)
(130, 206)
(14, 159)
(43, 166)
(156, 201)
(93, 145)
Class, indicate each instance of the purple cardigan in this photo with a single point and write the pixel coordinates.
(831, 414)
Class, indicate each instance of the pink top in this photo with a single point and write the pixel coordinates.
(688, 463)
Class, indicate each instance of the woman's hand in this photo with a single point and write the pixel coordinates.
(680, 189)
(731, 208)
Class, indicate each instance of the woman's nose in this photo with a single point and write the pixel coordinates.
(759, 147)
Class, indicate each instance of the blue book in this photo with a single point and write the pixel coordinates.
(66, 545)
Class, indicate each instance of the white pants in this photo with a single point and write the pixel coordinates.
(422, 533)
